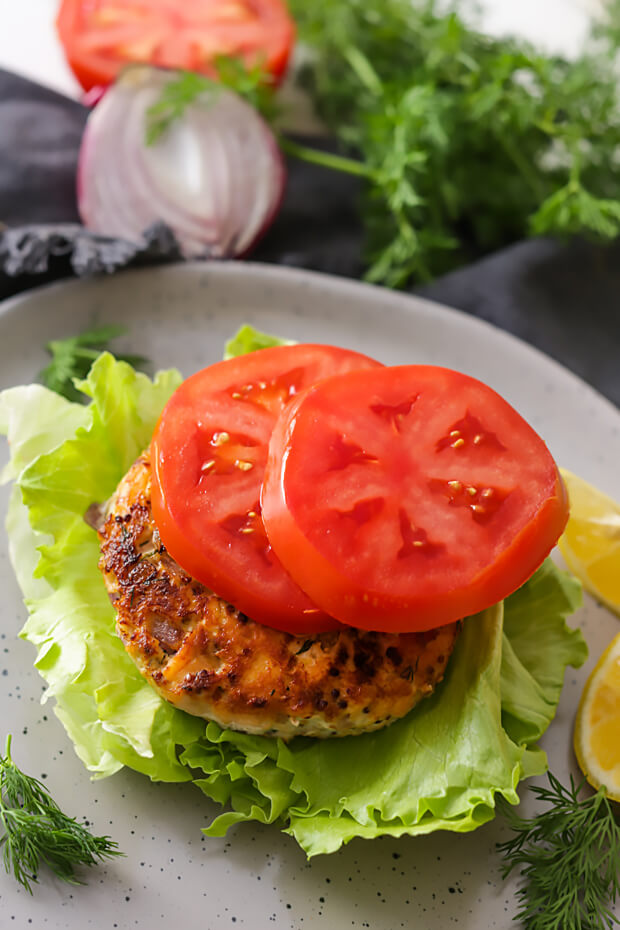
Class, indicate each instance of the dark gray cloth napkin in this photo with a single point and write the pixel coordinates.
(564, 299)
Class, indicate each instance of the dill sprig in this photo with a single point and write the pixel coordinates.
(73, 357)
(37, 833)
(568, 858)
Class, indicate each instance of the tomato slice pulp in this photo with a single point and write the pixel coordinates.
(209, 452)
(405, 498)
(100, 37)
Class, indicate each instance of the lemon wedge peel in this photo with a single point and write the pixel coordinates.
(597, 727)
(590, 543)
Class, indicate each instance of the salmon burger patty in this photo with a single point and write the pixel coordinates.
(207, 658)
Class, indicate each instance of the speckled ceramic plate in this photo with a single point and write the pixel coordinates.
(257, 877)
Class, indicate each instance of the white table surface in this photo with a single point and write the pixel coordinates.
(29, 46)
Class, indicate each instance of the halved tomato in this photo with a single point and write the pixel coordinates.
(209, 452)
(100, 37)
(405, 498)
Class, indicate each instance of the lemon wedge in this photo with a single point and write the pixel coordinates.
(597, 728)
(590, 543)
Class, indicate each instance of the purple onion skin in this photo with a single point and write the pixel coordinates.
(92, 97)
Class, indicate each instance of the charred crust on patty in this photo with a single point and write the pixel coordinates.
(207, 658)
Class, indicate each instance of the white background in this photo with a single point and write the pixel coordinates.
(28, 43)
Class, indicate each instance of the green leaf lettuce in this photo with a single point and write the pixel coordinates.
(438, 768)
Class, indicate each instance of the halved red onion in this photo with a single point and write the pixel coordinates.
(215, 177)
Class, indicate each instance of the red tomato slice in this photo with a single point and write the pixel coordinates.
(405, 498)
(209, 452)
(100, 37)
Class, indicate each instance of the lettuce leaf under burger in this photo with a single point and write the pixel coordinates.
(440, 767)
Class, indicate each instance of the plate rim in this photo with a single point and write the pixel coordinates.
(271, 275)
(272, 272)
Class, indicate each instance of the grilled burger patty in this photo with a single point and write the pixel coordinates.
(205, 657)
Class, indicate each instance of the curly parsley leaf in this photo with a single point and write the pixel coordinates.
(188, 87)
(73, 357)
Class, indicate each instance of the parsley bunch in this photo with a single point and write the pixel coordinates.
(466, 142)
(463, 142)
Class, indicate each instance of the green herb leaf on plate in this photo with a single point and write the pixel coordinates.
(73, 357)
